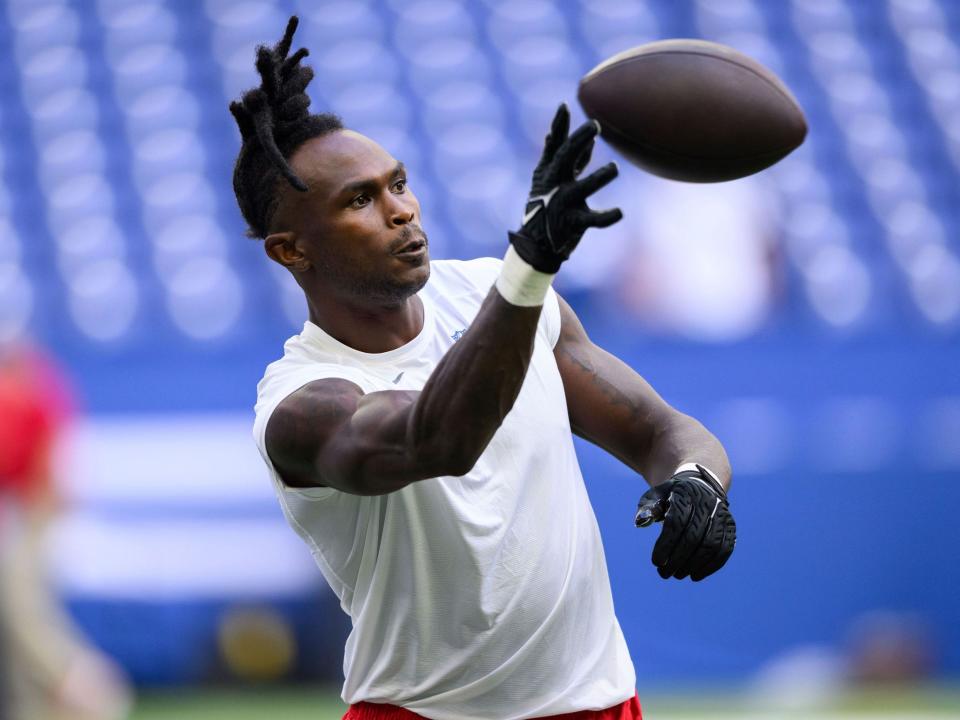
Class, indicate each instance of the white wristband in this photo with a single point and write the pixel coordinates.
(698, 468)
(519, 284)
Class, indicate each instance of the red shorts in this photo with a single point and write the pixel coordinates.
(627, 710)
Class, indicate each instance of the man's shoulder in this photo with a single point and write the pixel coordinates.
(304, 361)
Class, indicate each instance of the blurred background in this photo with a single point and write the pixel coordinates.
(809, 315)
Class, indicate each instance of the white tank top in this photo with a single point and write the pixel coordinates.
(482, 596)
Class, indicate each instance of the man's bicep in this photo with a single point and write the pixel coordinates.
(302, 425)
(329, 433)
(609, 403)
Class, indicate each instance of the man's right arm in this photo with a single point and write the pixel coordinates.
(329, 433)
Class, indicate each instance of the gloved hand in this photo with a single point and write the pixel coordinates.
(557, 215)
(698, 532)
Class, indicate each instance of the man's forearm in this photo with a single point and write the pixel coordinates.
(613, 407)
(682, 439)
(476, 383)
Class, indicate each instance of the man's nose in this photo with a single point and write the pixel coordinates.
(401, 213)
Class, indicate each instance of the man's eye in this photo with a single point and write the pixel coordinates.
(400, 185)
(360, 201)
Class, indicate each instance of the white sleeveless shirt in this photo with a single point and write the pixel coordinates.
(482, 596)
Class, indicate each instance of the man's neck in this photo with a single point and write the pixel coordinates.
(369, 329)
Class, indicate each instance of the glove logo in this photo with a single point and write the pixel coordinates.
(539, 203)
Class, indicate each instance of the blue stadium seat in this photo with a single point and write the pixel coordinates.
(610, 26)
(43, 24)
(103, 298)
(9, 240)
(329, 22)
(533, 59)
(143, 66)
(74, 152)
(136, 23)
(166, 151)
(78, 196)
(446, 60)
(178, 238)
(90, 237)
(210, 283)
(341, 64)
(469, 144)
(715, 17)
(457, 102)
(425, 20)
(66, 109)
(160, 108)
(538, 104)
(51, 69)
(17, 295)
(510, 22)
(179, 192)
(372, 100)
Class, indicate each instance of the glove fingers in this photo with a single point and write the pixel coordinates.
(707, 549)
(566, 157)
(594, 181)
(598, 219)
(689, 542)
(711, 546)
(583, 160)
(674, 526)
(716, 562)
(559, 129)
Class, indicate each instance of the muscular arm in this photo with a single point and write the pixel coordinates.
(613, 407)
(328, 433)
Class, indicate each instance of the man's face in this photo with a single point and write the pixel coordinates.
(359, 224)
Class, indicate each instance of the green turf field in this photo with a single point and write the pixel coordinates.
(928, 704)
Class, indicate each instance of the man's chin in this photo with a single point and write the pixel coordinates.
(420, 275)
(400, 286)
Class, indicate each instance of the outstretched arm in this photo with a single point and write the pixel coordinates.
(330, 433)
(613, 407)
(616, 409)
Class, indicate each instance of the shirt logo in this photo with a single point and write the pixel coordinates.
(458, 334)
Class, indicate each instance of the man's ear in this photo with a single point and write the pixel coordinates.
(282, 248)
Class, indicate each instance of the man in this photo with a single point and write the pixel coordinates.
(418, 430)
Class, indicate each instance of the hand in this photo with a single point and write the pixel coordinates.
(557, 215)
(698, 532)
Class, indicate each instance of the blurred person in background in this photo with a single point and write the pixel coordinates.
(702, 261)
(51, 673)
(419, 430)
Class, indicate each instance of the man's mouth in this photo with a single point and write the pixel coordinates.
(413, 246)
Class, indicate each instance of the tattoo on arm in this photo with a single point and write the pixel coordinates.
(613, 407)
(616, 397)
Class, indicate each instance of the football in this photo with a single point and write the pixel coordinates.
(693, 110)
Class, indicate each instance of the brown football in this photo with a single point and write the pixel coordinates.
(693, 110)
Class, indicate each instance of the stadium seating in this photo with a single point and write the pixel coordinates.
(115, 122)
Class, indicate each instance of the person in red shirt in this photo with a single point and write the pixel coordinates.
(35, 403)
(50, 670)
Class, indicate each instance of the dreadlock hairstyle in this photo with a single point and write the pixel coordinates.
(274, 122)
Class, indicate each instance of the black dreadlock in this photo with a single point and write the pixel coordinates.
(274, 122)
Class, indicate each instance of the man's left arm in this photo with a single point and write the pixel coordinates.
(613, 407)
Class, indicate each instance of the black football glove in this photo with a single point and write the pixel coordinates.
(557, 215)
(698, 532)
